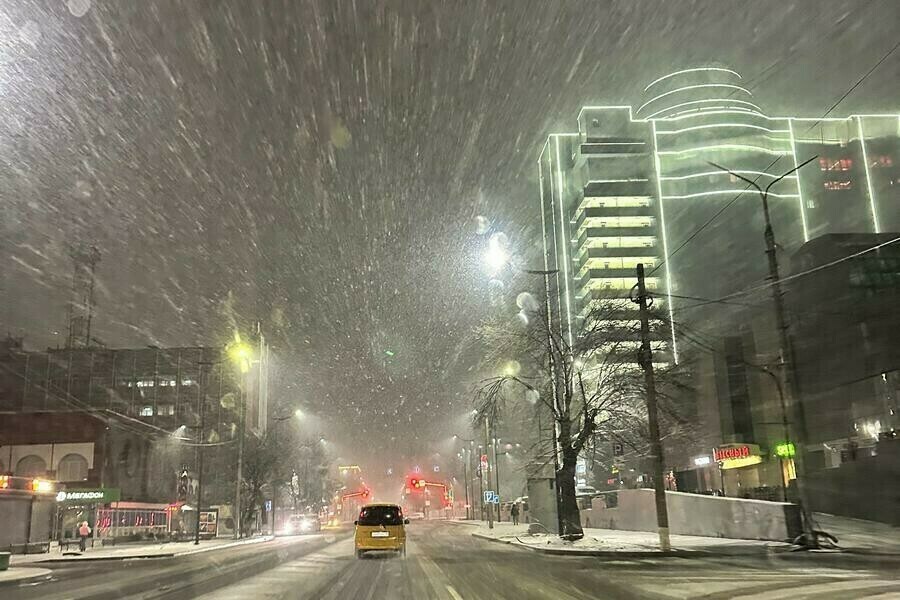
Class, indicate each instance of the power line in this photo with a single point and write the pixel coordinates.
(813, 270)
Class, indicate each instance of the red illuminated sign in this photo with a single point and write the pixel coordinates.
(731, 452)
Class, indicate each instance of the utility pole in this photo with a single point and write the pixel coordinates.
(792, 402)
(465, 454)
(496, 474)
(487, 440)
(201, 412)
(645, 359)
(238, 531)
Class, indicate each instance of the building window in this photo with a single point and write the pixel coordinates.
(837, 185)
(187, 382)
(145, 383)
(166, 410)
(877, 162)
(31, 466)
(146, 411)
(835, 164)
(72, 467)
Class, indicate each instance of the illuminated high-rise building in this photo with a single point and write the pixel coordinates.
(634, 185)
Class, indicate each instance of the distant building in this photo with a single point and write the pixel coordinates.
(845, 323)
(122, 418)
(160, 387)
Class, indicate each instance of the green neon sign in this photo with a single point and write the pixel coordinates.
(785, 450)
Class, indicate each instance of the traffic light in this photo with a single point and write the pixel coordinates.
(416, 483)
(183, 486)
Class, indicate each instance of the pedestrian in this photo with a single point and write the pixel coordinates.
(514, 513)
(84, 531)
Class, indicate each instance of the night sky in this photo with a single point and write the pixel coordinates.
(319, 166)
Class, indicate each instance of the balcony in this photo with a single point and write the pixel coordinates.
(615, 211)
(616, 187)
(595, 146)
(587, 252)
(609, 231)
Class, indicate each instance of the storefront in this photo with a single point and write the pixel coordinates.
(749, 472)
(73, 506)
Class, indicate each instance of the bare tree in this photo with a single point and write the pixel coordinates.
(588, 383)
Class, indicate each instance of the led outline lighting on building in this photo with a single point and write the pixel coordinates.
(662, 218)
(726, 100)
(722, 147)
(565, 241)
(730, 192)
(862, 145)
(718, 125)
(708, 173)
(701, 112)
(694, 70)
(797, 177)
(697, 86)
(555, 241)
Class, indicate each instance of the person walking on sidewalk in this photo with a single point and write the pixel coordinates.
(514, 513)
(84, 532)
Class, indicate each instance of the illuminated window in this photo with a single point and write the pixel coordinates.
(835, 164)
(146, 411)
(877, 162)
(838, 185)
(166, 409)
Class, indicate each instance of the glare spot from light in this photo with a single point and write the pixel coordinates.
(78, 8)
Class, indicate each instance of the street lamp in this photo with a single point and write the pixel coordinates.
(466, 457)
(792, 402)
(240, 353)
(496, 255)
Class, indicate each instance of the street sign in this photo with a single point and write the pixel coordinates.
(618, 449)
(491, 497)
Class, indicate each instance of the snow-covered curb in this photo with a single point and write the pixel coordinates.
(574, 551)
(604, 542)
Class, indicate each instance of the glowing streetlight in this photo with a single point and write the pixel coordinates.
(240, 353)
(511, 369)
(299, 413)
(496, 256)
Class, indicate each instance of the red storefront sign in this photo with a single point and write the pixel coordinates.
(731, 452)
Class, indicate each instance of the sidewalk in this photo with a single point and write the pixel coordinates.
(130, 550)
(859, 536)
(23, 575)
(609, 542)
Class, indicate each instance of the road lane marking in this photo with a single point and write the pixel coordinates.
(454, 593)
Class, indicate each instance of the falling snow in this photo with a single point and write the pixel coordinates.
(335, 169)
